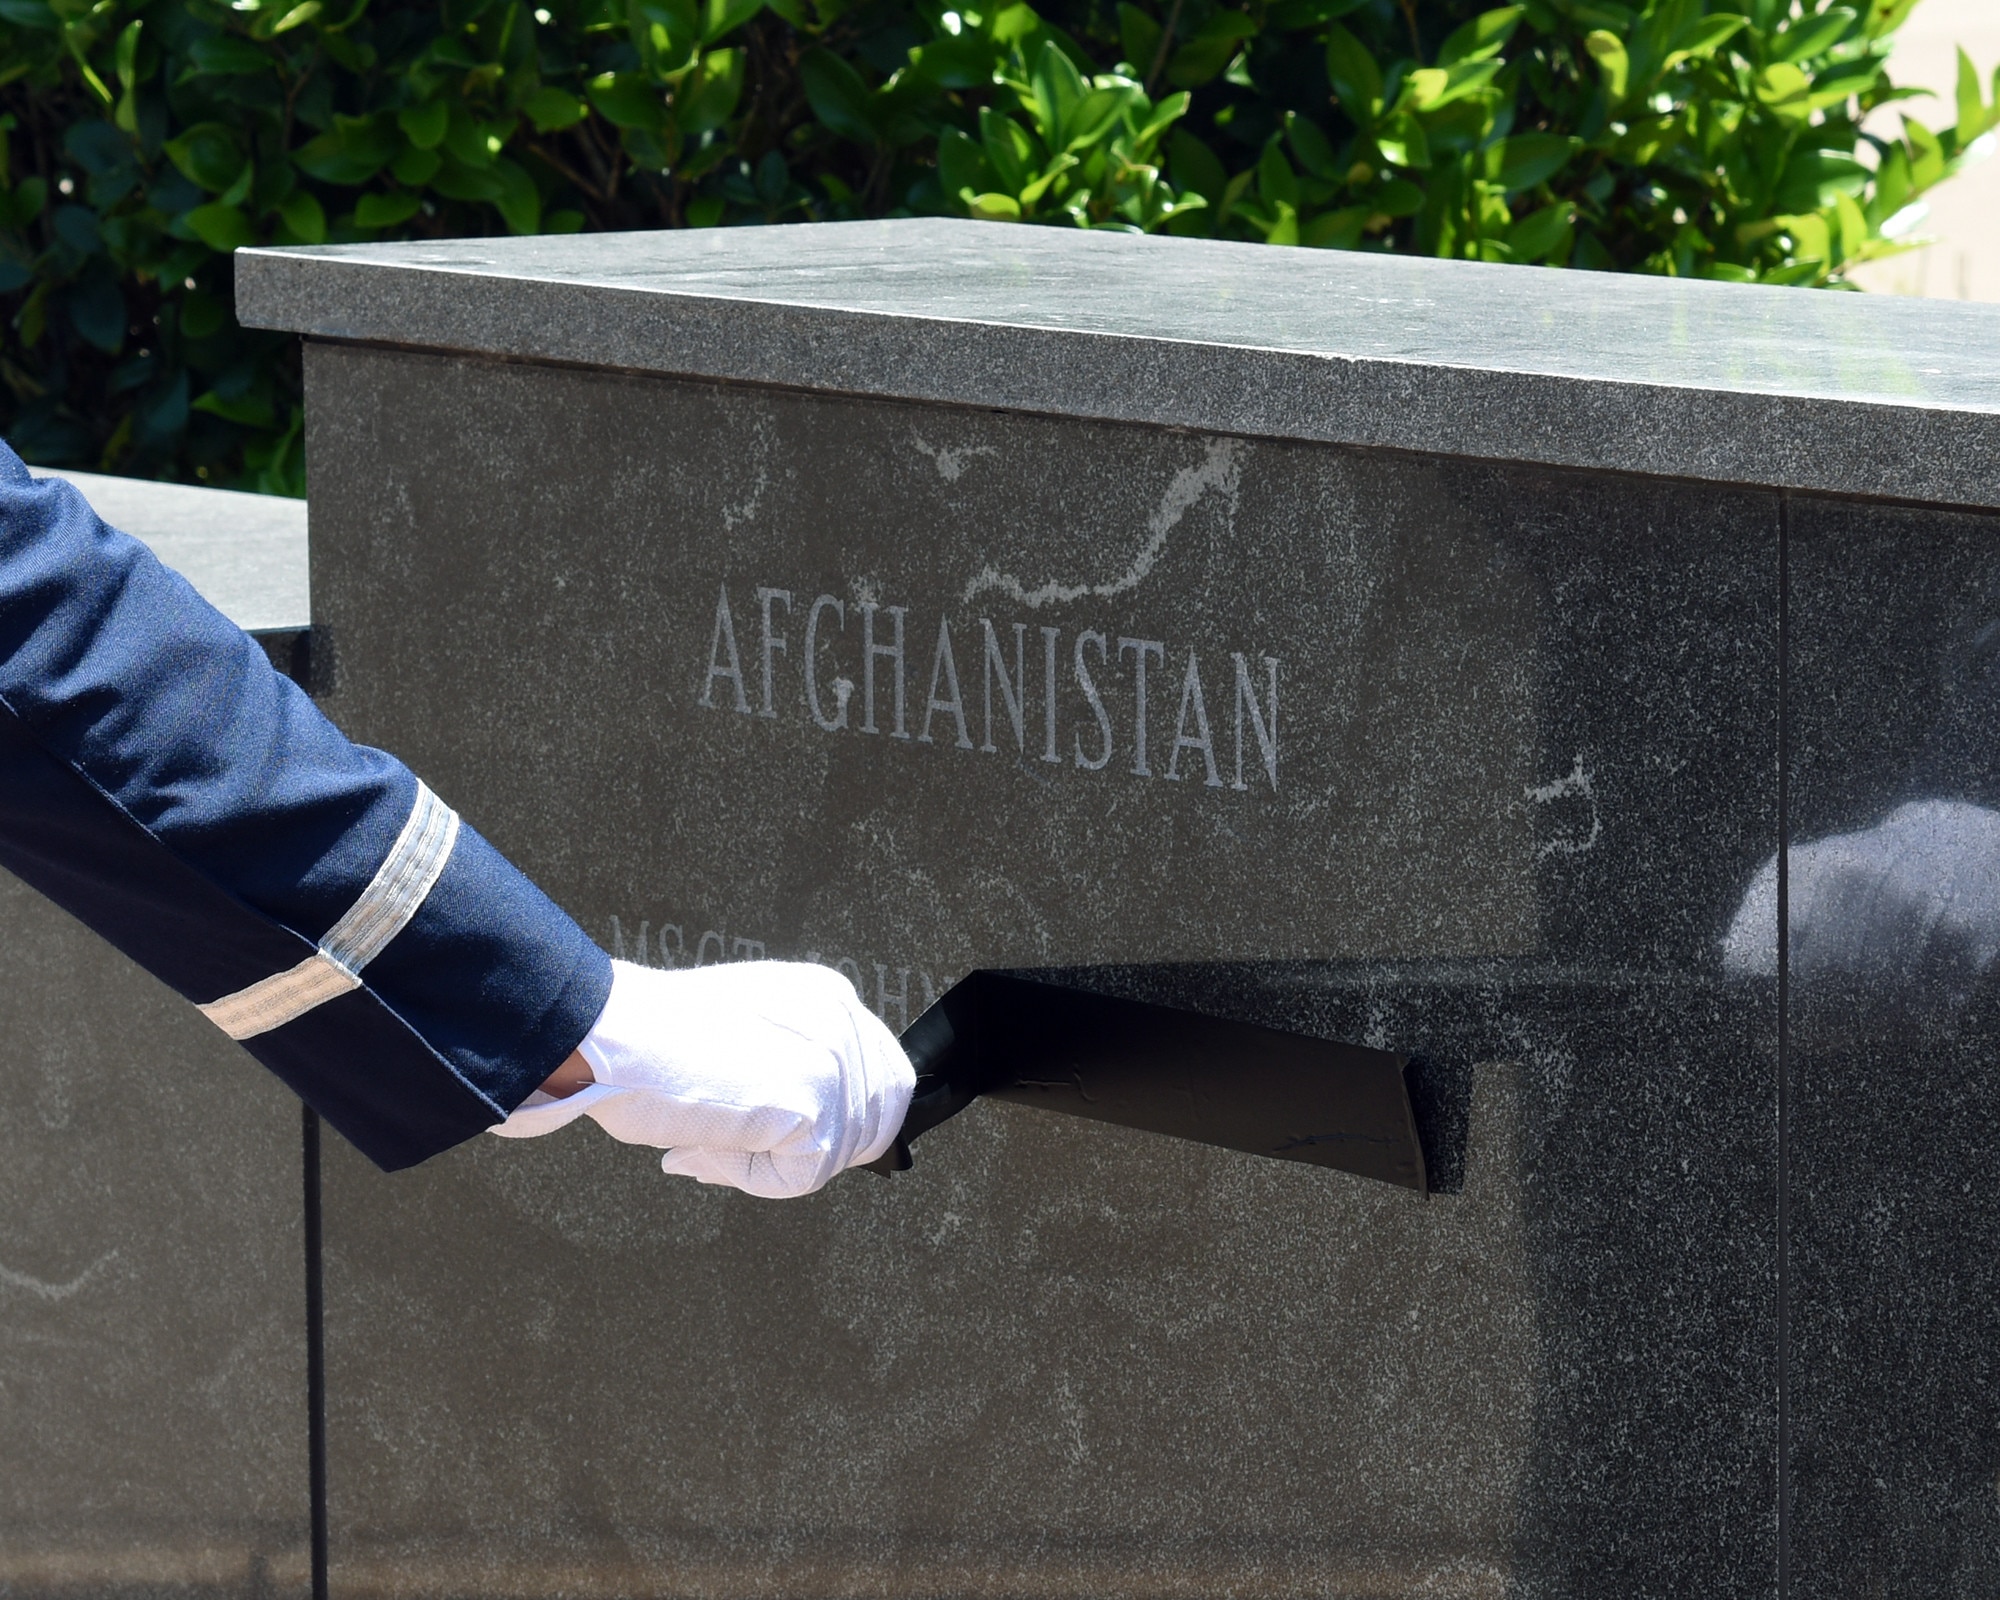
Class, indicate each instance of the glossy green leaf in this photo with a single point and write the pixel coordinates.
(1850, 227)
(721, 18)
(1058, 90)
(1356, 80)
(1314, 151)
(1608, 51)
(1276, 181)
(1403, 143)
(424, 125)
(1527, 159)
(226, 55)
(350, 152)
(1812, 35)
(1543, 235)
(1009, 148)
(1927, 154)
(1138, 37)
(1973, 114)
(992, 207)
(221, 227)
(1164, 114)
(208, 154)
(472, 140)
(839, 97)
(252, 410)
(35, 15)
(1204, 56)
(456, 181)
(1782, 84)
(551, 109)
(1015, 24)
(962, 164)
(1813, 178)
(1461, 82)
(1884, 17)
(298, 15)
(97, 312)
(1482, 37)
(963, 62)
(518, 200)
(24, 203)
(415, 167)
(709, 98)
(1335, 230)
(1397, 198)
(128, 52)
(1195, 166)
(1701, 39)
(385, 210)
(303, 216)
(628, 100)
(1035, 188)
(1092, 118)
(202, 315)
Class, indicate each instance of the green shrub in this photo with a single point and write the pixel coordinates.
(141, 141)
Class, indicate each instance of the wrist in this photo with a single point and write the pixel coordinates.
(572, 1075)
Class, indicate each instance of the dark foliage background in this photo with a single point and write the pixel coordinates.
(141, 141)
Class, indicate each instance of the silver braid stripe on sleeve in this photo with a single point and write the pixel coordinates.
(385, 908)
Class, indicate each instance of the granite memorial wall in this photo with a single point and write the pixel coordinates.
(1430, 655)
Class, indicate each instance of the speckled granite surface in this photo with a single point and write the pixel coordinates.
(1736, 383)
(152, 1288)
(1524, 760)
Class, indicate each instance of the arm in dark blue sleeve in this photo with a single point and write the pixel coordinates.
(160, 781)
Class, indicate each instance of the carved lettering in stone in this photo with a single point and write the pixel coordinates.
(889, 993)
(870, 653)
(1094, 700)
(772, 642)
(1141, 649)
(1049, 694)
(1014, 692)
(1265, 728)
(724, 639)
(945, 667)
(1112, 681)
(1191, 700)
(843, 688)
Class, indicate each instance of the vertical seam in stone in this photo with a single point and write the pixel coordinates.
(1783, 1219)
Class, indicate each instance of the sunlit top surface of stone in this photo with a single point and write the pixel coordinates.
(1788, 388)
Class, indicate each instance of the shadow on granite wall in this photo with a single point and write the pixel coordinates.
(1895, 1025)
(152, 1369)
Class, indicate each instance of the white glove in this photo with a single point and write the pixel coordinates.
(1912, 902)
(770, 1076)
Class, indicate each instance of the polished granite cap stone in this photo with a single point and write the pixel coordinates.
(1785, 388)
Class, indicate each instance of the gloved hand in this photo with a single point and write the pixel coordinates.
(770, 1076)
(1910, 906)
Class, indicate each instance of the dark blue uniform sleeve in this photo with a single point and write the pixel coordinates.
(164, 784)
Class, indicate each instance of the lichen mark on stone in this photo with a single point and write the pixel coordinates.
(1220, 471)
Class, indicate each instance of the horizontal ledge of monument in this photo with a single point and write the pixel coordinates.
(1906, 463)
(1742, 384)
